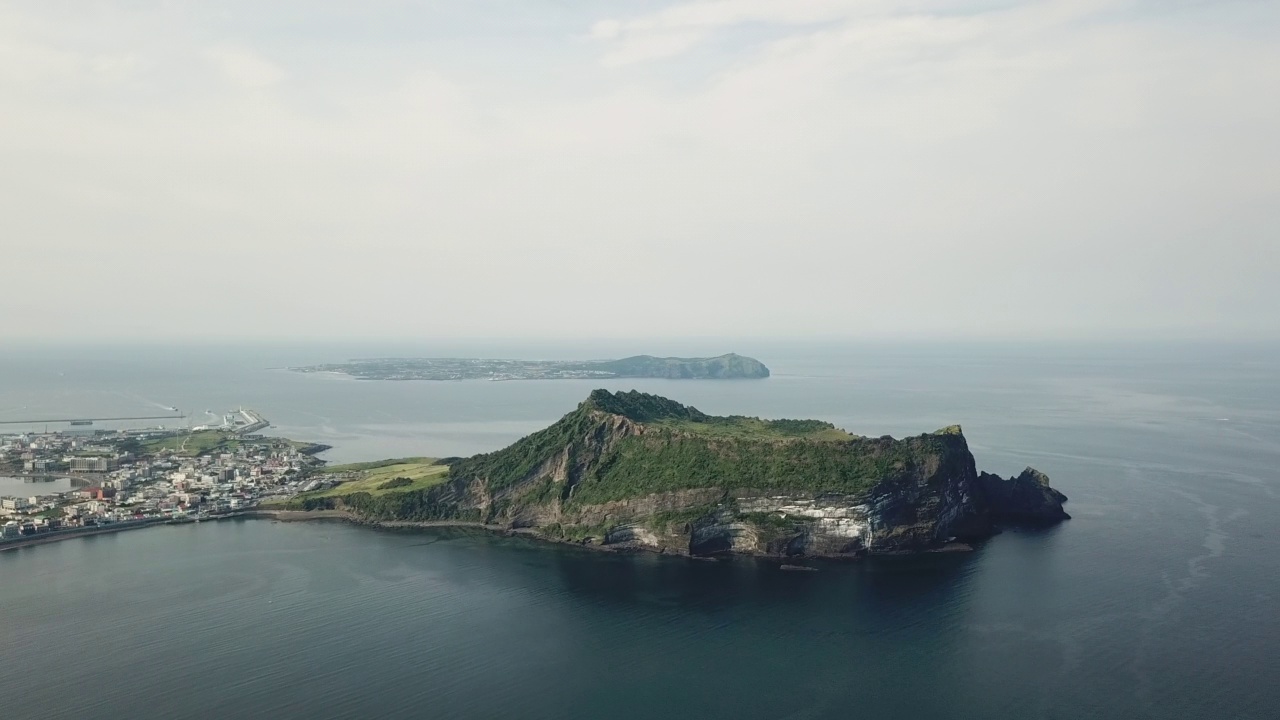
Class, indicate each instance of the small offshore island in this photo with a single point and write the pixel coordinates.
(723, 367)
(631, 470)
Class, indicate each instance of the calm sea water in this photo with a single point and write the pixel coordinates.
(1160, 599)
(26, 487)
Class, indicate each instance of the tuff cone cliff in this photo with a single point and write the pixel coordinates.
(638, 470)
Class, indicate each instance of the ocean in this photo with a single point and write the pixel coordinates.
(1159, 599)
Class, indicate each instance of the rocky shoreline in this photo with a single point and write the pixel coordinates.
(633, 471)
(533, 533)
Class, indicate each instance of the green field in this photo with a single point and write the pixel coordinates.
(375, 465)
(372, 477)
(193, 444)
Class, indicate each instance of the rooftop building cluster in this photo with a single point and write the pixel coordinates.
(129, 476)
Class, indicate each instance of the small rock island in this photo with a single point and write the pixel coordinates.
(723, 367)
(630, 470)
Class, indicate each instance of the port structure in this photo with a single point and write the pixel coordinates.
(74, 421)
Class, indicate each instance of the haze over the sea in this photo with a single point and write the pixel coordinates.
(390, 169)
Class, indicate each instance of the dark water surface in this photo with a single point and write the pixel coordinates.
(1160, 599)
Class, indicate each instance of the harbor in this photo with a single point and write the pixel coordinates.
(65, 484)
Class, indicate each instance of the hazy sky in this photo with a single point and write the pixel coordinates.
(567, 168)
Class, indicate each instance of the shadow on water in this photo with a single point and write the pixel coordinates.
(730, 580)
(851, 634)
(644, 578)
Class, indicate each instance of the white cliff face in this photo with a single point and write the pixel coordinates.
(743, 538)
(828, 525)
(737, 537)
(634, 535)
(829, 516)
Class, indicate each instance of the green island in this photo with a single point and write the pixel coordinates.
(631, 470)
(723, 367)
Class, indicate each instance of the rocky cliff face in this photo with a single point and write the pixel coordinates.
(640, 471)
(1024, 499)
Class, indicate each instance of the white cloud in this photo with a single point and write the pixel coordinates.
(115, 68)
(834, 167)
(650, 47)
(679, 28)
(244, 67)
(606, 29)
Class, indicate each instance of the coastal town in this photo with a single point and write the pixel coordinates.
(126, 478)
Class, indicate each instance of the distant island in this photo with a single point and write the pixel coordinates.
(630, 470)
(724, 367)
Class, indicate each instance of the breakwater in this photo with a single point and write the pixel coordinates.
(67, 534)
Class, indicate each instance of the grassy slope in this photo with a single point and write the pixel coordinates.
(360, 467)
(664, 462)
(196, 443)
(422, 471)
(685, 448)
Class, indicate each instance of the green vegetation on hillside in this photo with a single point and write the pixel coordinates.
(646, 408)
(668, 461)
(684, 448)
(362, 466)
(641, 407)
(423, 503)
(676, 520)
(577, 533)
(592, 456)
(512, 464)
(755, 428)
(383, 478)
(638, 469)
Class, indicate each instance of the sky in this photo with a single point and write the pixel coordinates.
(560, 168)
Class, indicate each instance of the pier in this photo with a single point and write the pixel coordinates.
(87, 420)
